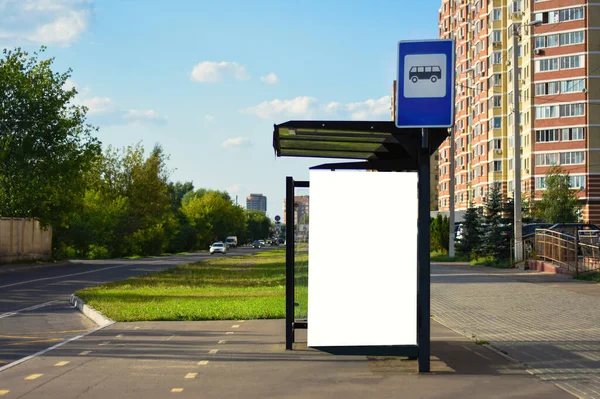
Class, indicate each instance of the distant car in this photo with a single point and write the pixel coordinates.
(274, 242)
(262, 243)
(257, 244)
(574, 229)
(281, 241)
(530, 228)
(218, 247)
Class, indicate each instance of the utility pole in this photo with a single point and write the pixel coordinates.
(518, 223)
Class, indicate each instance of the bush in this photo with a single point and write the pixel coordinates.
(439, 230)
(98, 252)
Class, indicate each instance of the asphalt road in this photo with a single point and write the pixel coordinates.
(35, 313)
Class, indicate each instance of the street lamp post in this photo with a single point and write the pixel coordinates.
(518, 222)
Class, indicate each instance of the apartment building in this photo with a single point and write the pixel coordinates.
(559, 67)
(256, 202)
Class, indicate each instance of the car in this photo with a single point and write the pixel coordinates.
(262, 243)
(281, 241)
(274, 242)
(530, 228)
(432, 73)
(576, 229)
(257, 244)
(218, 247)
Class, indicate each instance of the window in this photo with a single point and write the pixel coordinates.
(496, 101)
(497, 122)
(546, 136)
(546, 159)
(546, 64)
(570, 14)
(495, 80)
(542, 89)
(572, 38)
(546, 111)
(516, 6)
(571, 61)
(510, 164)
(496, 14)
(540, 183)
(572, 134)
(497, 144)
(572, 109)
(496, 36)
(577, 182)
(496, 58)
(547, 41)
(568, 86)
(571, 158)
(497, 166)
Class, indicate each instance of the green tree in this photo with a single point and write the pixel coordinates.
(46, 147)
(213, 216)
(559, 203)
(496, 241)
(258, 225)
(470, 244)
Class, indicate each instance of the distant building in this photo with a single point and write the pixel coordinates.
(301, 212)
(256, 202)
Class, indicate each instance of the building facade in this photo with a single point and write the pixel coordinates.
(559, 64)
(301, 213)
(256, 202)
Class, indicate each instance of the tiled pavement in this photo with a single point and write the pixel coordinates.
(554, 331)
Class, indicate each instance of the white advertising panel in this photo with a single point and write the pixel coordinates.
(362, 275)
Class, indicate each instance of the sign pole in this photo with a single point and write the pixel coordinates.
(423, 267)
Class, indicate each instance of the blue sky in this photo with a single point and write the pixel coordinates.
(208, 79)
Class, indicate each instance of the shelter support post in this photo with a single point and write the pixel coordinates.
(289, 263)
(423, 267)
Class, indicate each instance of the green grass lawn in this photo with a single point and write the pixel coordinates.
(221, 288)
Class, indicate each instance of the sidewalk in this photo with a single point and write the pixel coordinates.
(548, 322)
(234, 359)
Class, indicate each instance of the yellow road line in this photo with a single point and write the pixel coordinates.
(63, 363)
(202, 362)
(235, 326)
(4, 392)
(191, 375)
(213, 351)
(177, 390)
(33, 376)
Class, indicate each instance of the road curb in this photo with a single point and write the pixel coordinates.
(90, 312)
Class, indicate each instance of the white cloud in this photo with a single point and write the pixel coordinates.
(98, 105)
(209, 71)
(332, 106)
(270, 78)
(302, 106)
(58, 22)
(240, 142)
(145, 116)
(370, 109)
(209, 117)
(235, 189)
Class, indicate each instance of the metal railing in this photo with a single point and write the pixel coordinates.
(558, 248)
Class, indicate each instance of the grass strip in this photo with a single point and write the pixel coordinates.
(222, 288)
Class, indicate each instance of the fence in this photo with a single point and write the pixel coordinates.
(24, 239)
(558, 248)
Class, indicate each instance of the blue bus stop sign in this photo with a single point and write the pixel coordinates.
(425, 84)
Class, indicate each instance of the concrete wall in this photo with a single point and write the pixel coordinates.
(24, 239)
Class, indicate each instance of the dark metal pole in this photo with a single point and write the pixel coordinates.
(289, 263)
(423, 267)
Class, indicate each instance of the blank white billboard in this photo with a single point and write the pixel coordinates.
(362, 275)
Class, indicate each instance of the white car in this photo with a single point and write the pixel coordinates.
(218, 247)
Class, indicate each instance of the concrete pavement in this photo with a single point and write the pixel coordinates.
(34, 302)
(548, 322)
(233, 359)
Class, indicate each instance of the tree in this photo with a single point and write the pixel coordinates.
(258, 225)
(496, 241)
(440, 233)
(470, 244)
(213, 216)
(559, 202)
(46, 147)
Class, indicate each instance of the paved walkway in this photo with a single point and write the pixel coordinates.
(550, 323)
(234, 359)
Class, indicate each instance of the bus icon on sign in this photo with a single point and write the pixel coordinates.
(433, 73)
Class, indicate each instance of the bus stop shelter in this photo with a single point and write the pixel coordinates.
(364, 145)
